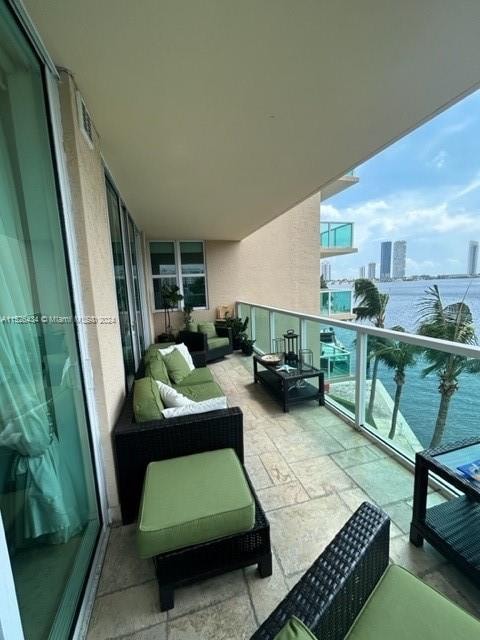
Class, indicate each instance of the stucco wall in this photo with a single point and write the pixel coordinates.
(278, 265)
(87, 186)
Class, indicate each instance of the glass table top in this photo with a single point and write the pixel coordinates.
(465, 461)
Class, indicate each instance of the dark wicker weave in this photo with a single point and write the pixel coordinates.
(215, 557)
(331, 594)
(197, 341)
(135, 445)
(451, 527)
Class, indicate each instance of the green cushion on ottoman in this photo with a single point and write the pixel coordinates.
(216, 343)
(147, 404)
(176, 365)
(193, 499)
(402, 607)
(157, 370)
(208, 328)
(294, 629)
(197, 376)
(199, 392)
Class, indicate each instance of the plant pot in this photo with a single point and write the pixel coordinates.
(247, 350)
(236, 343)
(166, 337)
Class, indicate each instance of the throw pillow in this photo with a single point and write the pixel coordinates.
(294, 629)
(183, 350)
(208, 328)
(177, 366)
(147, 404)
(157, 370)
(170, 397)
(196, 407)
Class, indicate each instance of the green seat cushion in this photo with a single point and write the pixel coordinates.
(294, 629)
(197, 376)
(208, 328)
(193, 499)
(157, 370)
(199, 392)
(215, 343)
(402, 607)
(147, 404)
(176, 366)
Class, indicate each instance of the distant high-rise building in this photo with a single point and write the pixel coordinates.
(326, 271)
(472, 262)
(361, 272)
(399, 258)
(372, 268)
(385, 260)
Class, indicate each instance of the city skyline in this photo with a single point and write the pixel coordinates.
(399, 258)
(385, 260)
(424, 189)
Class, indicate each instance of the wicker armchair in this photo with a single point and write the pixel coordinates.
(332, 592)
(137, 444)
(198, 342)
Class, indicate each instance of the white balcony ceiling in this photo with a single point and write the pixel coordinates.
(217, 116)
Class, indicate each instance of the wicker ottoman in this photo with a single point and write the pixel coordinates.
(200, 517)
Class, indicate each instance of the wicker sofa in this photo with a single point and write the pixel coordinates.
(214, 347)
(352, 591)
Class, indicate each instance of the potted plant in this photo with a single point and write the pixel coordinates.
(246, 344)
(238, 327)
(187, 316)
(171, 296)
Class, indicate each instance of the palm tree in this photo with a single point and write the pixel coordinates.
(398, 356)
(451, 322)
(372, 305)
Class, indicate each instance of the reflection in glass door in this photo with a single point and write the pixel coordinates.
(47, 490)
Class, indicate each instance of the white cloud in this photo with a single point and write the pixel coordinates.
(439, 159)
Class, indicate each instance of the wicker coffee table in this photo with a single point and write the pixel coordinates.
(292, 386)
(454, 526)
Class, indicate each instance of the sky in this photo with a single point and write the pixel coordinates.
(424, 189)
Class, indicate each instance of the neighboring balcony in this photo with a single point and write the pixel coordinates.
(336, 239)
(335, 187)
(337, 303)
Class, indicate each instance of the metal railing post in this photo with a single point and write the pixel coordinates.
(253, 328)
(271, 321)
(360, 378)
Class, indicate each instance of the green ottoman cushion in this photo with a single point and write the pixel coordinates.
(147, 404)
(294, 629)
(208, 328)
(402, 607)
(199, 392)
(216, 343)
(193, 499)
(197, 376)
(176, 365)
(157, 370)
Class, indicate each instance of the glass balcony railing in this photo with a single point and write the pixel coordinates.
(336, 235)
(335, 301)
(402, 404)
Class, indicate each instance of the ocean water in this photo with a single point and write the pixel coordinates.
(420, 397)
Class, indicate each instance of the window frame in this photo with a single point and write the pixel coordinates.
(179, 275)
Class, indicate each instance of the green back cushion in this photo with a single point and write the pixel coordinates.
(176, 365)
(156, 369)
(192, 499)
(294, 629)
(208, 328)
(147, 404)
(402, 606)
(150, 354)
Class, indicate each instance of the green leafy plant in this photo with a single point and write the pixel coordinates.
(398, 356)
(187, 316)
(246, 344)
(372, 306)
(171, 296)
(238, 326)
(452, 322)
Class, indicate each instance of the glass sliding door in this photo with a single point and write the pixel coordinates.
(47, 491)
(134, 243)
(121, 284)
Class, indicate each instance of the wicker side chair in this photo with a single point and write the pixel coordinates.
(332, 592)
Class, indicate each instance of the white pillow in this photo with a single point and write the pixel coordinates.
(183, 349)
(196, 407)
(171, 397)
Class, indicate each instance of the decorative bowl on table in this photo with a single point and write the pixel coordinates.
(272, 359)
